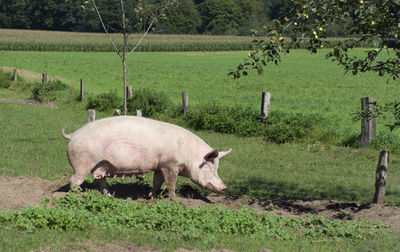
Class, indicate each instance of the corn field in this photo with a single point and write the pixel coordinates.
(30, 40)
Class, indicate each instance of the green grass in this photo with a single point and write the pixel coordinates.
(302, 83)
(30, 138)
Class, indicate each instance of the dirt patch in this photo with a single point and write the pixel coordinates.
(29, 102)
(19, 192)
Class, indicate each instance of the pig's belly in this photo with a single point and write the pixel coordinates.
(128, 156)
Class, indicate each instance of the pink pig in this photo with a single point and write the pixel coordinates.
(129, 145)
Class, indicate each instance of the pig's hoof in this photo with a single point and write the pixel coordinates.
(151, 196)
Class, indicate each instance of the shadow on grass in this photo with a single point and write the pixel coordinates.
(139, 190)
(262, 189)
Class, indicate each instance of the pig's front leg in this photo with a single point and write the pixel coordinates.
(170, 177)
(158, 180)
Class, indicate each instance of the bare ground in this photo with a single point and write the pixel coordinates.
(19, 192)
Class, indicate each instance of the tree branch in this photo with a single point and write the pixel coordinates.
(105, 29)
(153, 21)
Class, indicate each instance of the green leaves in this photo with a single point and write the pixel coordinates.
(373, 22)
(91, 210)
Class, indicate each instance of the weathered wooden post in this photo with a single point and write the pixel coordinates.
(368, 127)
(44, 78)
(381, 175)
(15, 75)
(185, 102)
(117, 112)
(265, 105)
(91, 115)
(82, 89)
(138, 112)
(128, 92)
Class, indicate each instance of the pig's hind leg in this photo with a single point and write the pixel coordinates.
(103, 186)
(81, 170)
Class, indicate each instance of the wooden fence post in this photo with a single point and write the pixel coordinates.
(185, 102)
(82, 89)
(138, 112)
(128, 92)
(381, 175)
(265, 105)
(44, 78)
(117, 112)
(15, 75)
(91, 115)
(368, 127)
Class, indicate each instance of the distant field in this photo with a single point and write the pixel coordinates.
(302, 83)
(30, 40)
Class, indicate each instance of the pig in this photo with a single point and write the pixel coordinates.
(130, 146)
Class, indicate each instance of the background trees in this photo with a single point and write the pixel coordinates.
(190, 17)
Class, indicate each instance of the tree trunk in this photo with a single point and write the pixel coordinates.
(125, 93)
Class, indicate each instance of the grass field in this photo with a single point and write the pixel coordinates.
(33, 146)
(31, 143)
(302, 83)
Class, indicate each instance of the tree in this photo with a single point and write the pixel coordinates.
(181, 19)
(375, 23)
(154, 12)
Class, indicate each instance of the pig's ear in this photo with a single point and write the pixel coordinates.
(211, 155)
(224, 153)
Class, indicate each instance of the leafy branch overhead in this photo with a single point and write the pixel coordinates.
(373, 23)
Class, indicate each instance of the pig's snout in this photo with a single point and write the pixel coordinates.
(217, 189)
(223, 188)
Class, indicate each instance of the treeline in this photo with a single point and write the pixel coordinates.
(217, 17)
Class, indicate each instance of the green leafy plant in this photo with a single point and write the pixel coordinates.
(49, 91)
(283, 127)
(279, 127)
(5, 79)
(89, 209)
(105, 101)
(150, 102)
(232, 120)
(386, 140)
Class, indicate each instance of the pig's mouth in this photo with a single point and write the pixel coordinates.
(213, 188)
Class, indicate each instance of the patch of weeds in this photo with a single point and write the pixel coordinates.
(231, 120)
(5, 79)
(92, 210)
(48, 92)
(386, 140)
(286, 127)
(150, 102)
(105, 101)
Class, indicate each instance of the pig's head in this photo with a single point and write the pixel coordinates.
(206, 174)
